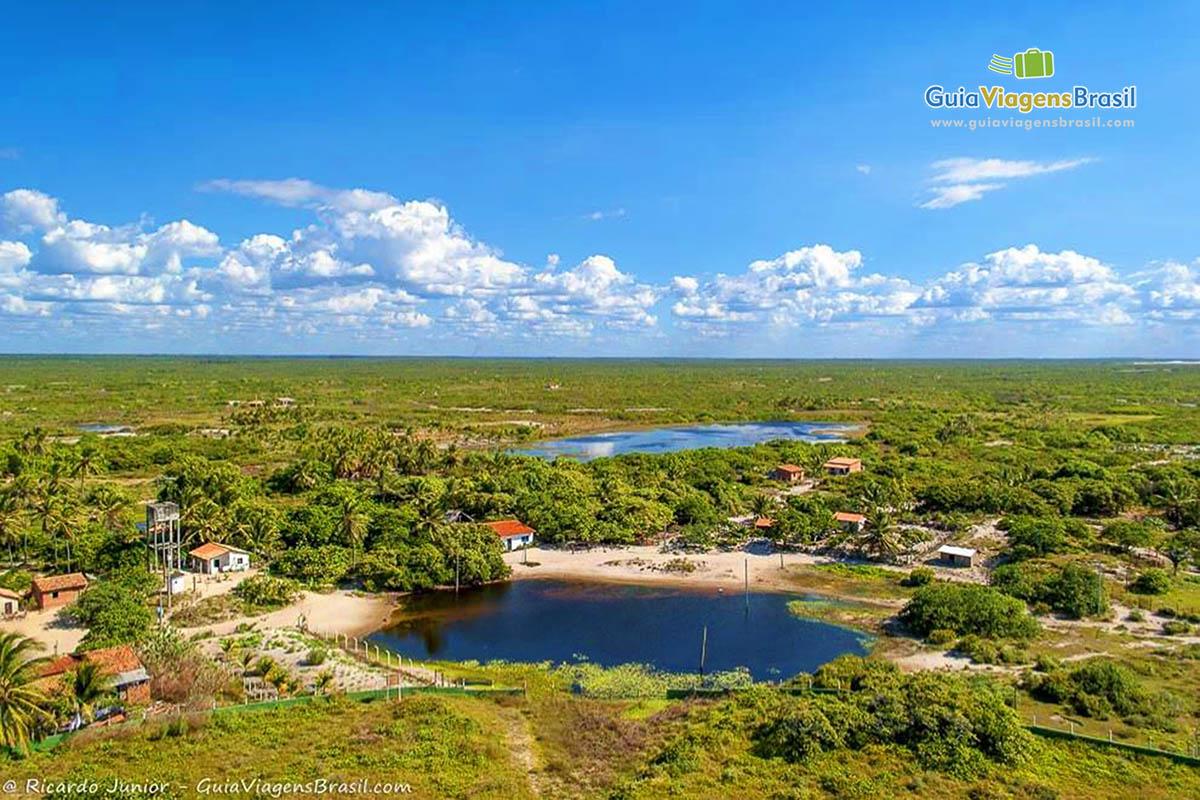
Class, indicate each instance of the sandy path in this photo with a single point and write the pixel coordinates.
(336, 612)
(44, 627)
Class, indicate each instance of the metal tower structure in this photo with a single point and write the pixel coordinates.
(164, 542)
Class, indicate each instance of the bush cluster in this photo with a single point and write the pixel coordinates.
(1073, 590)
(967, 608)
(1102, 688)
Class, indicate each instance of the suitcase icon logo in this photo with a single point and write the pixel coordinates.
(1033, 63)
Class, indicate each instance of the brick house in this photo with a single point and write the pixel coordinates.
(130, 681)
(788, 473)
(53, 591)
(843, 465)
(850, 521)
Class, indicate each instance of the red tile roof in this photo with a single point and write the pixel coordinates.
(763, 522)
(112, 660)
(9, 594)
(507, 528)
(209, 550)
(842, 461)
(57, 583)
(790, 468)
(847, 516)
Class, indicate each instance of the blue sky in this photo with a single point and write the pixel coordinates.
(538, 179)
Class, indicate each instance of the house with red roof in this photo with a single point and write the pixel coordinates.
(130, 680)
(843, 465)
(514, 533)
(212, 558)
(788, 473)
(53, 591)
(850, 521)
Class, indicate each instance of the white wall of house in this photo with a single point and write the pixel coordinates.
(516, 542)
(226, 562)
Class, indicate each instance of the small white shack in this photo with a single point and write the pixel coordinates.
(957, 556)
(176, 583)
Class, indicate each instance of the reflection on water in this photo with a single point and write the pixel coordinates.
(670, 439)
(614, 624)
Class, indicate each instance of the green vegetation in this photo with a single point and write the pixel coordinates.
(1152, 581)
(967, 609)
(21, 702)
(1072, 589)
(1100, 688)
(265, 591)
(1079, 482)
(113, 613)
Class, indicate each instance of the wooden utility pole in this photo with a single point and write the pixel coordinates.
(703, 649)
(746, 566)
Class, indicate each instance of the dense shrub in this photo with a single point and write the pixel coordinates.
(1033, 537)
(967, 608)
(1152, 581)
(948, 723)
(921, 576)
(267, 591)
(113, 613)
(1073, 590)
(1100, 688)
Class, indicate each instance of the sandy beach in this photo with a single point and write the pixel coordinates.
(352, 613)
(647, 564)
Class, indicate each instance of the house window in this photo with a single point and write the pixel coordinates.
(54, 595)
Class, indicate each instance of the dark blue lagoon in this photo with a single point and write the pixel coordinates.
(550, 620)
(671, 438)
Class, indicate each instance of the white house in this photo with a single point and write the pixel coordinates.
(10, 603)
(514, 533)
(212, 558)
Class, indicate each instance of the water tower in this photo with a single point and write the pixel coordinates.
(164, 542)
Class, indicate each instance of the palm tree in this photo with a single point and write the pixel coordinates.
(278, 677)
(34, 442)
(880, 538)
(108, 506)
(21, 704)
(54, 481)
(353, 523)
(59, 523)
(322, 683)
(88, 685)
(12, 522)
(1176, 498)
(88, 461)
(203, 520)
(760, 505)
